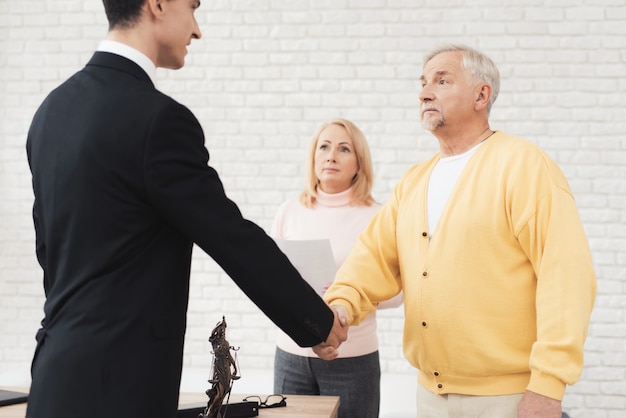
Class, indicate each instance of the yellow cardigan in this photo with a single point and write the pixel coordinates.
(499, 300)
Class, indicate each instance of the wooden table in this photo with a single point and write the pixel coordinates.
(298, 406)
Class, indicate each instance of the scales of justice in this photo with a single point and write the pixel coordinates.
(224, 371)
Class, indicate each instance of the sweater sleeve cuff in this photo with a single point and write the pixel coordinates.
(546, 385)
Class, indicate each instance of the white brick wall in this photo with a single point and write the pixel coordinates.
(267, 72)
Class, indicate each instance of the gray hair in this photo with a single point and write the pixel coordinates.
(477, 64)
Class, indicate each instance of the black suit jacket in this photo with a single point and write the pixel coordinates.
(122, 190)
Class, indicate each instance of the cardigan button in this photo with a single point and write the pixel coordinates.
(440, 386)
(424, 324)
(424, 234)
(425, 273)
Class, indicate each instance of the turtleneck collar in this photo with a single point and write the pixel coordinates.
(334, 199)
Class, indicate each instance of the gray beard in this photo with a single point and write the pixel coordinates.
(431, 124)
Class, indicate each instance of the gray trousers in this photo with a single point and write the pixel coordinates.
(356, 380)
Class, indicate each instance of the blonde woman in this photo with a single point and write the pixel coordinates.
(336, 204)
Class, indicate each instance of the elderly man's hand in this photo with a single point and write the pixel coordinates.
(534, 405)
(338, 334)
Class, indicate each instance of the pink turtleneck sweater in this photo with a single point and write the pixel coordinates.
(332, 217)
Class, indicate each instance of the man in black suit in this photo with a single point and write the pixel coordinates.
(122, 191)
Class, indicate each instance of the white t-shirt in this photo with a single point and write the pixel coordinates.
(441, 184)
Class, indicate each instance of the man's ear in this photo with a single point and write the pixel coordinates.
(483, 96)
(155, 7)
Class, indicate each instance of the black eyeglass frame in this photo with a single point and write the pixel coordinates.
(264, 404)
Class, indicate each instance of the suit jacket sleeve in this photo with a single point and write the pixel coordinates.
(189, 194)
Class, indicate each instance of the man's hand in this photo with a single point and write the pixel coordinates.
(338, 334)
(534, 405)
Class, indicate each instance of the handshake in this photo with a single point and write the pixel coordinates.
(327, 350)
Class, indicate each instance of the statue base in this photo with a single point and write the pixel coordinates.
(230, 410)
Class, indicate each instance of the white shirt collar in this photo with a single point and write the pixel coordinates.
(132, 54)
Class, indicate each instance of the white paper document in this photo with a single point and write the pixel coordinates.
(313, 259)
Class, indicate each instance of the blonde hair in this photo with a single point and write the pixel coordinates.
(363, 180)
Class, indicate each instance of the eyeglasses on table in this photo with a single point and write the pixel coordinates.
(271, 401)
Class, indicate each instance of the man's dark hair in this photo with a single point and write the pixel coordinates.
(122, 13)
